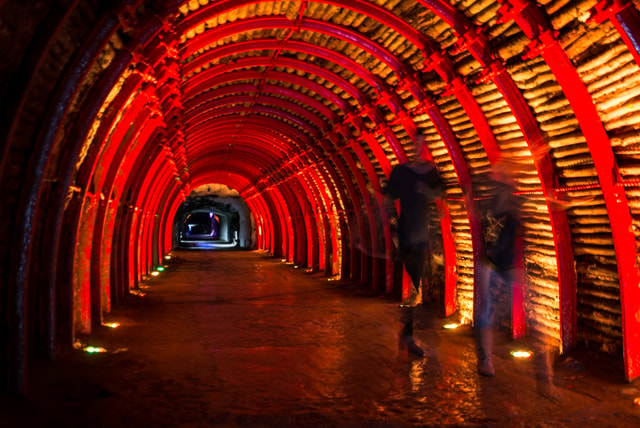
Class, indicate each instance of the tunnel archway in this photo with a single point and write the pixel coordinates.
(214, 216)
(113, 114)
(201, 224)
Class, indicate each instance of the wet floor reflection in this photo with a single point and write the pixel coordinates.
(305, 348)
(240, 339)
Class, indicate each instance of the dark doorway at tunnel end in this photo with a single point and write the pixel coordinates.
(214, 217)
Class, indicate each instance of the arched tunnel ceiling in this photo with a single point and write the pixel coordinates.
(482, 80)
(304, 107)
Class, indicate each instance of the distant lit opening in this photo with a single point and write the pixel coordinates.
(214, 216)
(202, 225)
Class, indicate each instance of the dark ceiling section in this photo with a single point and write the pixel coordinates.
(304, 107)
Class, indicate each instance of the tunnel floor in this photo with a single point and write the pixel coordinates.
(239, 339)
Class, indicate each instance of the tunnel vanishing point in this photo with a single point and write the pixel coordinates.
(117, 113)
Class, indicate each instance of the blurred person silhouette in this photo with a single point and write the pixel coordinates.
(415, 184)
(502, 230)
(502, 227)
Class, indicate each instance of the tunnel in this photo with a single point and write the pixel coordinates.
(120, 118)
(214, 216)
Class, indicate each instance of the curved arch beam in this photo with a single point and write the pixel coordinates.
(625, 17)
(308, 116)
(475, 42)
(535, 25)
(365, 159)
(266, 88)
(273, 133)
(460, 89)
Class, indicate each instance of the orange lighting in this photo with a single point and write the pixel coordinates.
(637, 401)
(585, 17)
(451, 326)
(94, 349)
(90, 349)
(521, 354)
(112, 324)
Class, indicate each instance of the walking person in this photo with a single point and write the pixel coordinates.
(502, 228)
(415, 184)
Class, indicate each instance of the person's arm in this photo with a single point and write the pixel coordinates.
(389, 198)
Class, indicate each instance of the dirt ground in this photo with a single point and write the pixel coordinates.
(239, 339)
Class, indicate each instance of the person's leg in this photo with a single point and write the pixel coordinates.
(413, 262)
(543, 357)
(482, 307)
(406, 341)
(482, 322)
